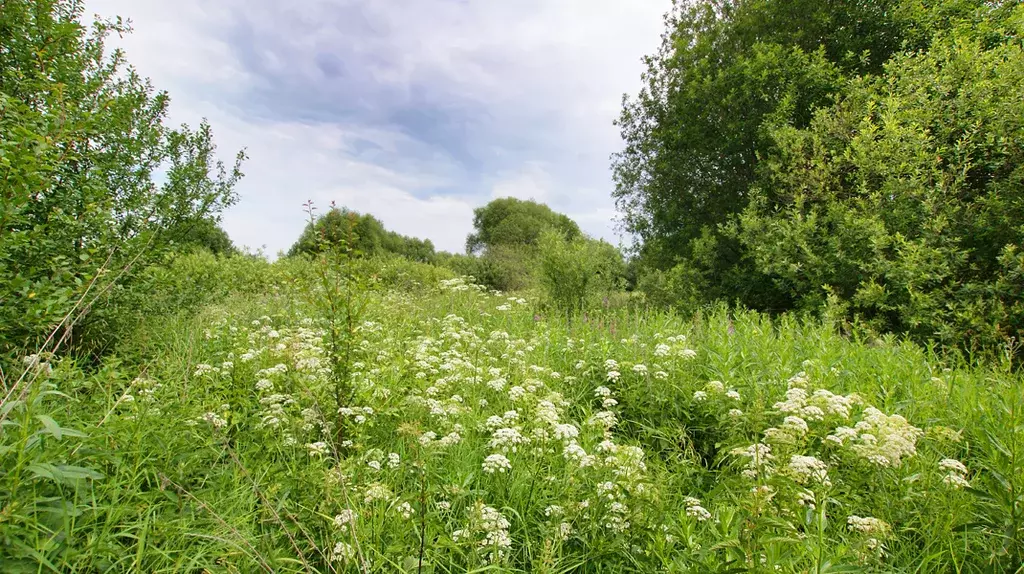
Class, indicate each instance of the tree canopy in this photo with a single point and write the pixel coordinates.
(511, 222)
(82, 139)
(362, 233)
(781, 152)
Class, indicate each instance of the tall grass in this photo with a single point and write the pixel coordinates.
(483, 435)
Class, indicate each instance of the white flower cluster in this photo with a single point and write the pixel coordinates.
(956, 473)
(695, 510)
(496, 463)
(868, 525)
(759, 460)
(884, 440)
(807, 469)
(488, 530)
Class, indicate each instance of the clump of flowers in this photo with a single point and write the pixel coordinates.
(956, 473)
(496, 463)
(695, 510)
(487, 530)
(881, 439)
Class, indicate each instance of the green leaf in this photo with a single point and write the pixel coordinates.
(51, 426)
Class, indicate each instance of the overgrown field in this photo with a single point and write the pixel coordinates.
(431, 426)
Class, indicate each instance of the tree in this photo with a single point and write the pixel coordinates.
(365, 234)
(512, 222)
(81, 137)
(905, 199)
(726, 73)
(203, 233)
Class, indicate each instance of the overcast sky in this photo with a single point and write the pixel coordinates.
(416, 111)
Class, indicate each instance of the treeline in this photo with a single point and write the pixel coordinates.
(785, 154)
(516, 245)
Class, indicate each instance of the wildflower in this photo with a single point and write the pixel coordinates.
(735, 413)
(808, 468)
(575, 453)
(564, 530)
(346, 516)
(733, 394)
(405, 509)
(700, 396)
(868, 525)
(496, 463)
(609, 403)
(376, 491)
(426, 438)
(566, 431)
(640, 369)
(264, 385)
(342, 552)
(215, 420)
(688, 354)
(613, 375)
(602, 392)
(956, 473)
(318, 448)
(795, 424)
(553, 510)
(605, 419)
(715, 387)
(695, 510)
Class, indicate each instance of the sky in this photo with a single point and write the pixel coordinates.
(416, 111)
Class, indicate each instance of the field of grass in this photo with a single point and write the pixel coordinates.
(431, 426)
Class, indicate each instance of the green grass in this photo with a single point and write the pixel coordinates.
(151, 484)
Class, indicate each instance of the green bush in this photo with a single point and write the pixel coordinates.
(576, 273)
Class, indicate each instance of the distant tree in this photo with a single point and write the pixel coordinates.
(363, 233)
(205, 233)
(511, 222)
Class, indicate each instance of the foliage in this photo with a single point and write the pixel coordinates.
(905, 197)
(575, 272)
(512, 222)
(205, 234)
(81, 139)
(481, 436)
(368, 237)
(506, 237)
(784, 151)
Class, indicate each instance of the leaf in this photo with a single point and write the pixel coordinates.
(51, 425)
(79, 472)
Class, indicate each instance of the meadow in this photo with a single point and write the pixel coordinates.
(397, 418)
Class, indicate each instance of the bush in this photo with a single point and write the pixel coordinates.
(576, 272)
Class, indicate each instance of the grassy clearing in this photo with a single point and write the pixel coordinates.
(475, 434)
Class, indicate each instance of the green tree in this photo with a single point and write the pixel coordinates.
(575, 272)
(82, 136)
(515, 222)
(906, 198)
(363, 233)
(726, 73)
(204, 233)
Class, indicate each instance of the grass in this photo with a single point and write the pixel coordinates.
(173, 456)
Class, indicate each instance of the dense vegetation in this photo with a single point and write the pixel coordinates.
(785, 152)
(850, 170)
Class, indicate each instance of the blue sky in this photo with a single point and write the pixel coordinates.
(416, 111)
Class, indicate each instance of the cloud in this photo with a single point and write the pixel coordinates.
(414, 110)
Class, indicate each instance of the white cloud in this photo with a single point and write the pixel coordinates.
(547, 76)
